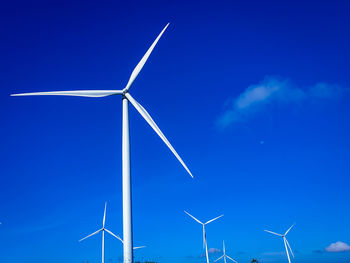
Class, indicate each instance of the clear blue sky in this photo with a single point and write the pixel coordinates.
(252, 94)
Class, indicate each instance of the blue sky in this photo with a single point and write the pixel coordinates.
(253, 95)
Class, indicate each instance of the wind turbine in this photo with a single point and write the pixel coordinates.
(126, 98)
(224, 255)
(103, 229)
(285, 241)
(205, 245)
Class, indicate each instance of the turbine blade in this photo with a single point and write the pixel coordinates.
(78, 93)
(285, 244)
(138, 247)
(194, 218)
(151, 122)
(231, 259)
(98, 231)
(289, 229)
(291, 251)
(142, 62)
(219, 258)
(104, 215)
(223, 246)
(273, 233)
(116, 236)
(213, 219)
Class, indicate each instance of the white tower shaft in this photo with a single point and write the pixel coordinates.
(103, 246)
(127, 213)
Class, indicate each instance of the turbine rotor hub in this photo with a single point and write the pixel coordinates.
(124, 91)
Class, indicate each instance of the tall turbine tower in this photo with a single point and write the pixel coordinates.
(205, 245)
(224, 256)
(285, 241)
(126, 98)
(103, 229)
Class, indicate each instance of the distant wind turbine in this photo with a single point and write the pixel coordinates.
(126, 98)
(103, 229)
(205, 245)
(285, 241)
(224, 256)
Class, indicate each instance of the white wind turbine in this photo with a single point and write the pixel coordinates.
(205, 245)
(285, 241)
(126, 98)
(103, 230)
(224, 255)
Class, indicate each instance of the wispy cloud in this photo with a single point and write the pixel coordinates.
(338, 247)
(272, 90)
(212, 251)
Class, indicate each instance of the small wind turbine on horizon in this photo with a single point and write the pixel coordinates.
(224, 256)
(285, 241)
(126, 98)
(103, 229)
(205, 245)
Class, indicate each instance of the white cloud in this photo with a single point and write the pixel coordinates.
(211, 251)
(338, 247)
(272, 90)
(214, 250)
